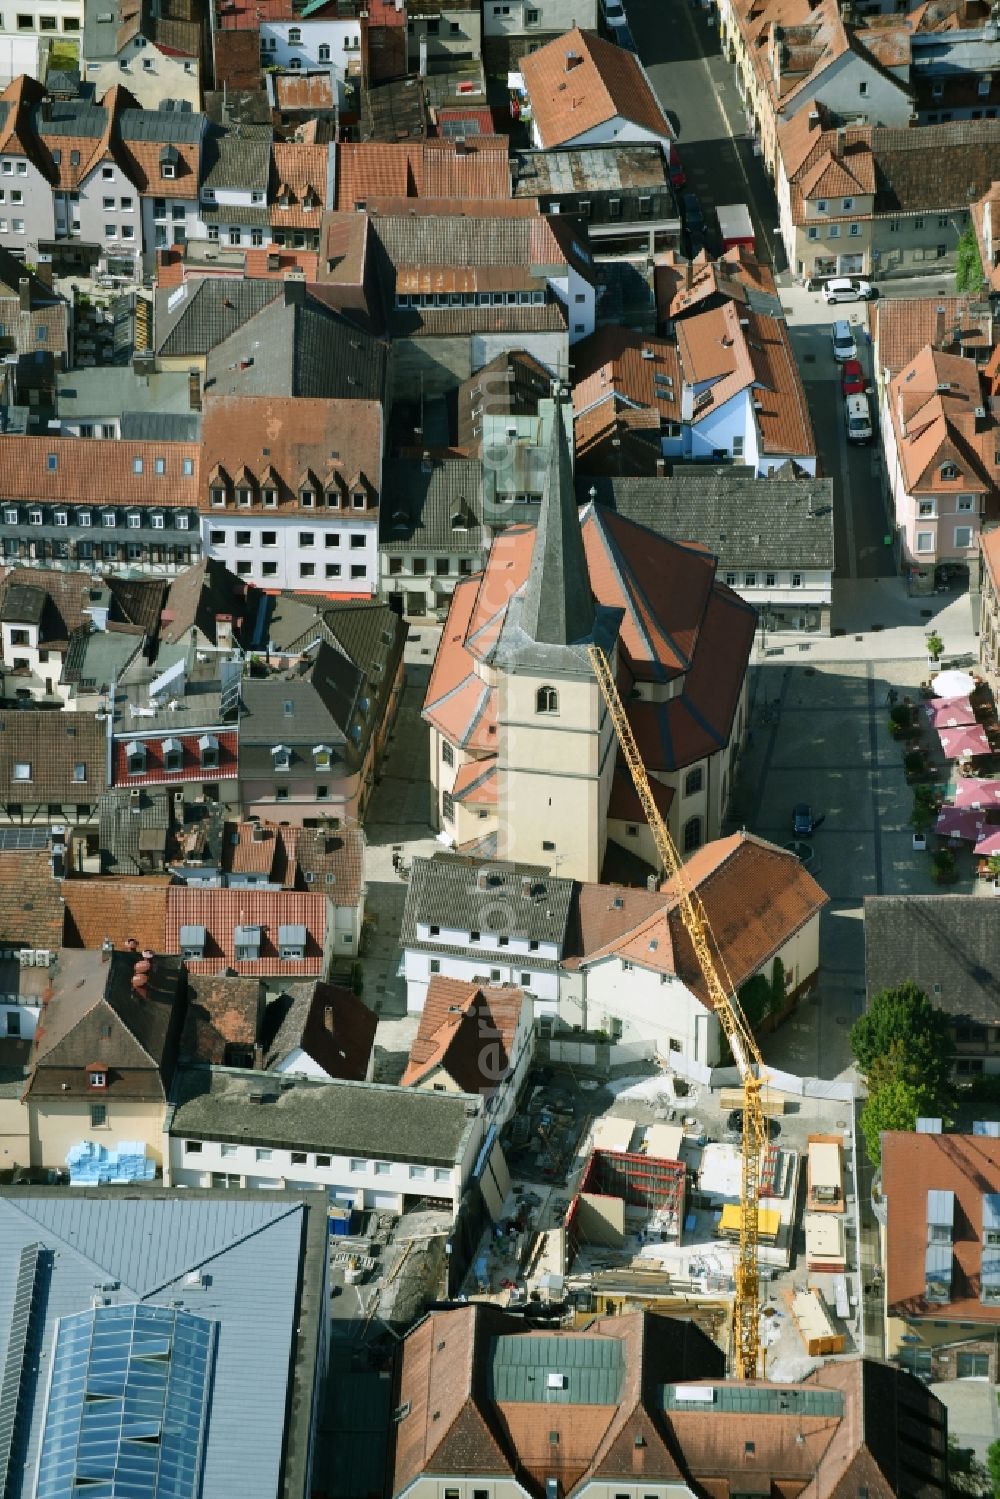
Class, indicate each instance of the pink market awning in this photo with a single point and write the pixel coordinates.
(949, 712)
(962, 743)
(960, 822)
(979, 795)
(989, 843)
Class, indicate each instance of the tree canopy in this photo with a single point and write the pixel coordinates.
(968, 264)
(895, 1105)
(902, 1035)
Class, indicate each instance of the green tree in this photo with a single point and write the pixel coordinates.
(966, 1474)
(993, 1464)
(968, 265)
(896, 1105)
(903, 1026)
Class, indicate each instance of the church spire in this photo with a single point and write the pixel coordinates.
(558, 603)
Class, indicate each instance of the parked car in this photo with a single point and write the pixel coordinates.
(843, 289)
(842, 337)
(858, 416)
(804, 824)
(852, 377)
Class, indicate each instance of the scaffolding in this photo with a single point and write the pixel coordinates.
(650, 1184)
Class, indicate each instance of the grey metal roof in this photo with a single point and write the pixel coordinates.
(298, 347)
(516, 900)
(160, 426)
(753, 1399)
(422, 506)
(108, 391)
(239, 157)
(143, 1244)
(743, 521)
(947, 944)
(344, 1118)
(556, 1370)
(70, 117)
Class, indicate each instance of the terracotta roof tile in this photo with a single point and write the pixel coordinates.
(119, 909)
(223, 1011)
(475, 784)
(468, 1030)
(439, 169)
(912, 1166)
(332, 862)
(932, 405)
(299, 185)
(191, 766)
(220, 911)
(52, 745)
(901, 332)
(603, 82)
(98, 473)
(308, 91)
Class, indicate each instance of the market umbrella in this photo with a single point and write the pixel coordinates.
(968, 741)
(980, 795)
(989, 842)
(953, 684)
(960, 822)
(949, 712)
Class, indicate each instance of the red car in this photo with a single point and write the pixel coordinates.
(852, 377)
(677, 177)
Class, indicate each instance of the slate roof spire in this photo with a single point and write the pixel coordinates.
(558, 602)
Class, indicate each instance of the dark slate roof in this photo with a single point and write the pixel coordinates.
(939, 167)
(120, 825)
(209, 312)
(326, 1021)
(947, 944)
(558, 604)
(297, 346)
(239, 157)
(138, 600)
(744, 521)
(197, 596)
(23, 603)
(160, 426)
(166, 125)
(421, 504)
(521, 900)
(321, 705)
(345, 1118)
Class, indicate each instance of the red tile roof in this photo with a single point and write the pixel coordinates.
(300, 184)
(912, 1166)
(120, 909)
(932, 404)
(467, 1030)
(191, 766)
(439, 169)
(476, 783)
(756, 896)
(98, 473)
(603, 82)
(220, 911)
(677, 621)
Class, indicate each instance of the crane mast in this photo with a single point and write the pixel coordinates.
(746, 1309)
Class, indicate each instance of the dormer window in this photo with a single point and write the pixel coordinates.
(97, 1077)
(173, 755)
(270, 499)
(246, 943)
(135, 759)
(333, 498)
(281, 756)
(244, 498)
(208, 749)
(459, 522)
(359, 499)
(292, 943)
(307, 498)
(949, 471)
(169, 159)
(218, 495)
(322, 755)
(192, 939)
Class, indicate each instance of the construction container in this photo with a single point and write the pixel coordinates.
(814, 1325)
(826, 1174)
(341, 1220)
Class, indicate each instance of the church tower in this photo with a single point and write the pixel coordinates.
(556, 741)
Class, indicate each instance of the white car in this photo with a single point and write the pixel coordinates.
(843, 289)
(614, 13)
(844, 346)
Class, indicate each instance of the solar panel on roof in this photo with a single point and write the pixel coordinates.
(458, 128)
(21, 840)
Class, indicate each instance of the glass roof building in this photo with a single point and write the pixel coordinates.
(127, 1404)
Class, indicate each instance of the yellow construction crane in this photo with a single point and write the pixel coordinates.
(746, 1310)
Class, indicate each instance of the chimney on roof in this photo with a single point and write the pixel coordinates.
(328, 1017)
(573, 60)
(462, 147)
(257, 835)
(838, 142)
(295, 291)
(194, 390)
(939, 322)
(661, 468)
(45, 109)
(24, 293)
